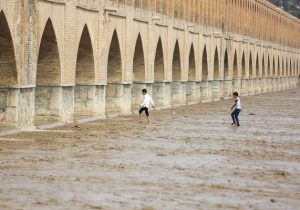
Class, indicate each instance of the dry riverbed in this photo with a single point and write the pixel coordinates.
(187, 158)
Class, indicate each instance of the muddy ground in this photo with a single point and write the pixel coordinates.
(187, 158)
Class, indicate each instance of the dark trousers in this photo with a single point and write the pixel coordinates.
(235, 116)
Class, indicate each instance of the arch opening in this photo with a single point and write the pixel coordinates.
(263, 67)
(216, 65)
(114, 88)
(251, 73)
(48, 78)
(139, 61)
(226, 65)
(8, 73)
(159, 67)
(139, 74)
(84, 76)
(235, 66)
(257, 67)
(243, 66)
(8, 69)
(114, 64)
(268, 72)
(176, 70)
(192, 65)
(85, 67)
(204, 65)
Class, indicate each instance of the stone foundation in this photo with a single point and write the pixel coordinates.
(161, 94)
(27, 107)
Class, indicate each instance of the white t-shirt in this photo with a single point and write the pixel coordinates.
(147, 101)
(238, 103)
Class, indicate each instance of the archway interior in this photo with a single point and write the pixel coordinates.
(216, 65)
(114, 88)
(114, 64)
(138, 74)
(176, 76)
(84, 76)
(192, 65)
(159, 72)
(139, 61)
(257, 67)
(8, 73)
(8, 69)
(204, 65)
(243, 66)
(85, 68)
(48, 67)
(48, 78)
(226, 65)
(251, 73)
(235, 66)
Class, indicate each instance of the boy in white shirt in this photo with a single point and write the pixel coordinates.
(237, 110)
(146, 105)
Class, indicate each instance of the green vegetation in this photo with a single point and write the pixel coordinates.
(291, 6)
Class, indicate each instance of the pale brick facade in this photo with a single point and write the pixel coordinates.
(62, 60)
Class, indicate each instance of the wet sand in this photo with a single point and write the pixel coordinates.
(187, 158)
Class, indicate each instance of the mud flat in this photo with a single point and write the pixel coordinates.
(188, 158)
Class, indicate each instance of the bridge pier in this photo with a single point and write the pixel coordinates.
(9, 105)
(252, 86)
(206, 91)
(48, 104)
(227, 88)
(236, 85)
(191, 92)
(161, 94)
(244, 86)
(118, 99)
(178, 93)
(89, 101)
(216, 89)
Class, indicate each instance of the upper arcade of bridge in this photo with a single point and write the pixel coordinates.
(254, 18)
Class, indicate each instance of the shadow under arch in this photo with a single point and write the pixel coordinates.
(114, 88)
(8, 74)
(139, 74)
(84, 91)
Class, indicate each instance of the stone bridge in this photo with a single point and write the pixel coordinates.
(62, 60)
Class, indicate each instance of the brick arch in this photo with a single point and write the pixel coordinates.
(192, 64)
(48, 66)
(204, 64)
(114, 63)
(8, 67)
(216, 66)
(176, 63)
(159, 62)
(139, 71)
(85, 65)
